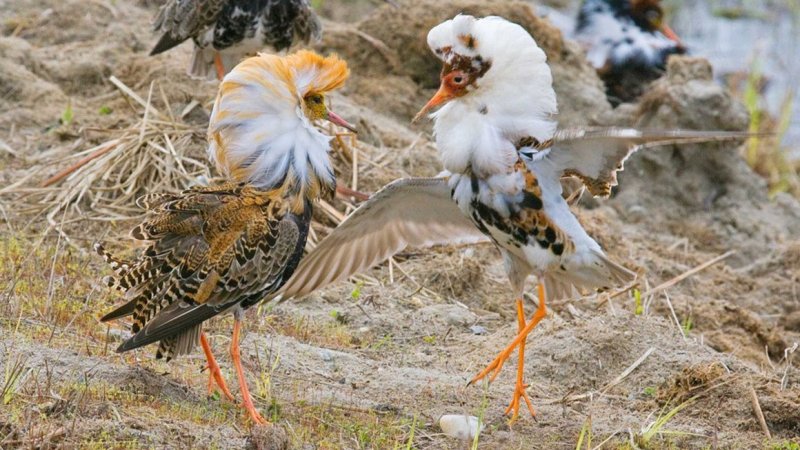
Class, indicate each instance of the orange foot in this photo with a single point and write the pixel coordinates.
(520, 387)
(519, 341)
(215, 380)
(513, 407)
(255, 416)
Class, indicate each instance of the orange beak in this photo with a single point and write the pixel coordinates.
(335, 118)
(669, 33)
(442, 96)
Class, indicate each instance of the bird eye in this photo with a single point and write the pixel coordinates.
(317, 99)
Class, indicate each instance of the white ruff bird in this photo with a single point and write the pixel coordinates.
(225, 31)
(212, 249)
(498, 107)
(627, 41)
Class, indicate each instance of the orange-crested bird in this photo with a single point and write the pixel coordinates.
(503, 159)
(225, 247)
(225, 31)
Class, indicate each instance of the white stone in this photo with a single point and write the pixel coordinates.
(460, 426)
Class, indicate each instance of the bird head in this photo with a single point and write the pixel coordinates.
(496, 88)
(262, 129)
(649, 16)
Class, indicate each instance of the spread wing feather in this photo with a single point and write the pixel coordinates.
(209, 249)
(414, 212)
(595, 155)
(179, 20)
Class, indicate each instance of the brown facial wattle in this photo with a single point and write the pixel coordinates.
(472, 67)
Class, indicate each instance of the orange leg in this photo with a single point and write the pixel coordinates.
(501, 358)
(215, 376)
(520, 387)
(219, 66)
(247, 401)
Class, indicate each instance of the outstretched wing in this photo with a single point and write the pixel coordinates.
(210, 249)
(179, 20)
(413, 212)
(595, 155)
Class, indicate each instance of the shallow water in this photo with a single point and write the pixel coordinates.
(766, 37)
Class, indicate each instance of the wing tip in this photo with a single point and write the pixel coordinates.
(125, 346)
(165, 43)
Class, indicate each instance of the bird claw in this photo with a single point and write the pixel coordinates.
(520, 391)
(255, 416)
(217, 384)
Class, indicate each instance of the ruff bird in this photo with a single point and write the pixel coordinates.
(225, 31)
(628, 42)
(223, 248)
(503, 160)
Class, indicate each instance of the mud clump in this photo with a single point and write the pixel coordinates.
(268, 437)
(691, 382)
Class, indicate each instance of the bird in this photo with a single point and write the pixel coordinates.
(224, 247)
(627, 42)
(225, 31)
(503, 159)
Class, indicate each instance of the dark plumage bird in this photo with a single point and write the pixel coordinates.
(628, 42)
(225, 31)
(225, 247)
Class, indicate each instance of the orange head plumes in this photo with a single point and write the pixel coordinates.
(261, 128)
(316, 73)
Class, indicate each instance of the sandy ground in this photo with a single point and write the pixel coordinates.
(373, 362)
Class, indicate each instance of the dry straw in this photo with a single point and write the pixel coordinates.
(157, 153)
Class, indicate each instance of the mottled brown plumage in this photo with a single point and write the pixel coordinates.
(208, 248)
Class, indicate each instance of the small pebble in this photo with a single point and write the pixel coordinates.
(479, 330)
(325, 355)
(459, 426)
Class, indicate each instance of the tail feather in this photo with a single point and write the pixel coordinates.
(600, 273)
(619, 274)
(181, 344)
(202, 65)
(557, 288)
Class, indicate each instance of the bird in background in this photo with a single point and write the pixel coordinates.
(503, 162)
(225, 31)
(628, 42)
(211, 249)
